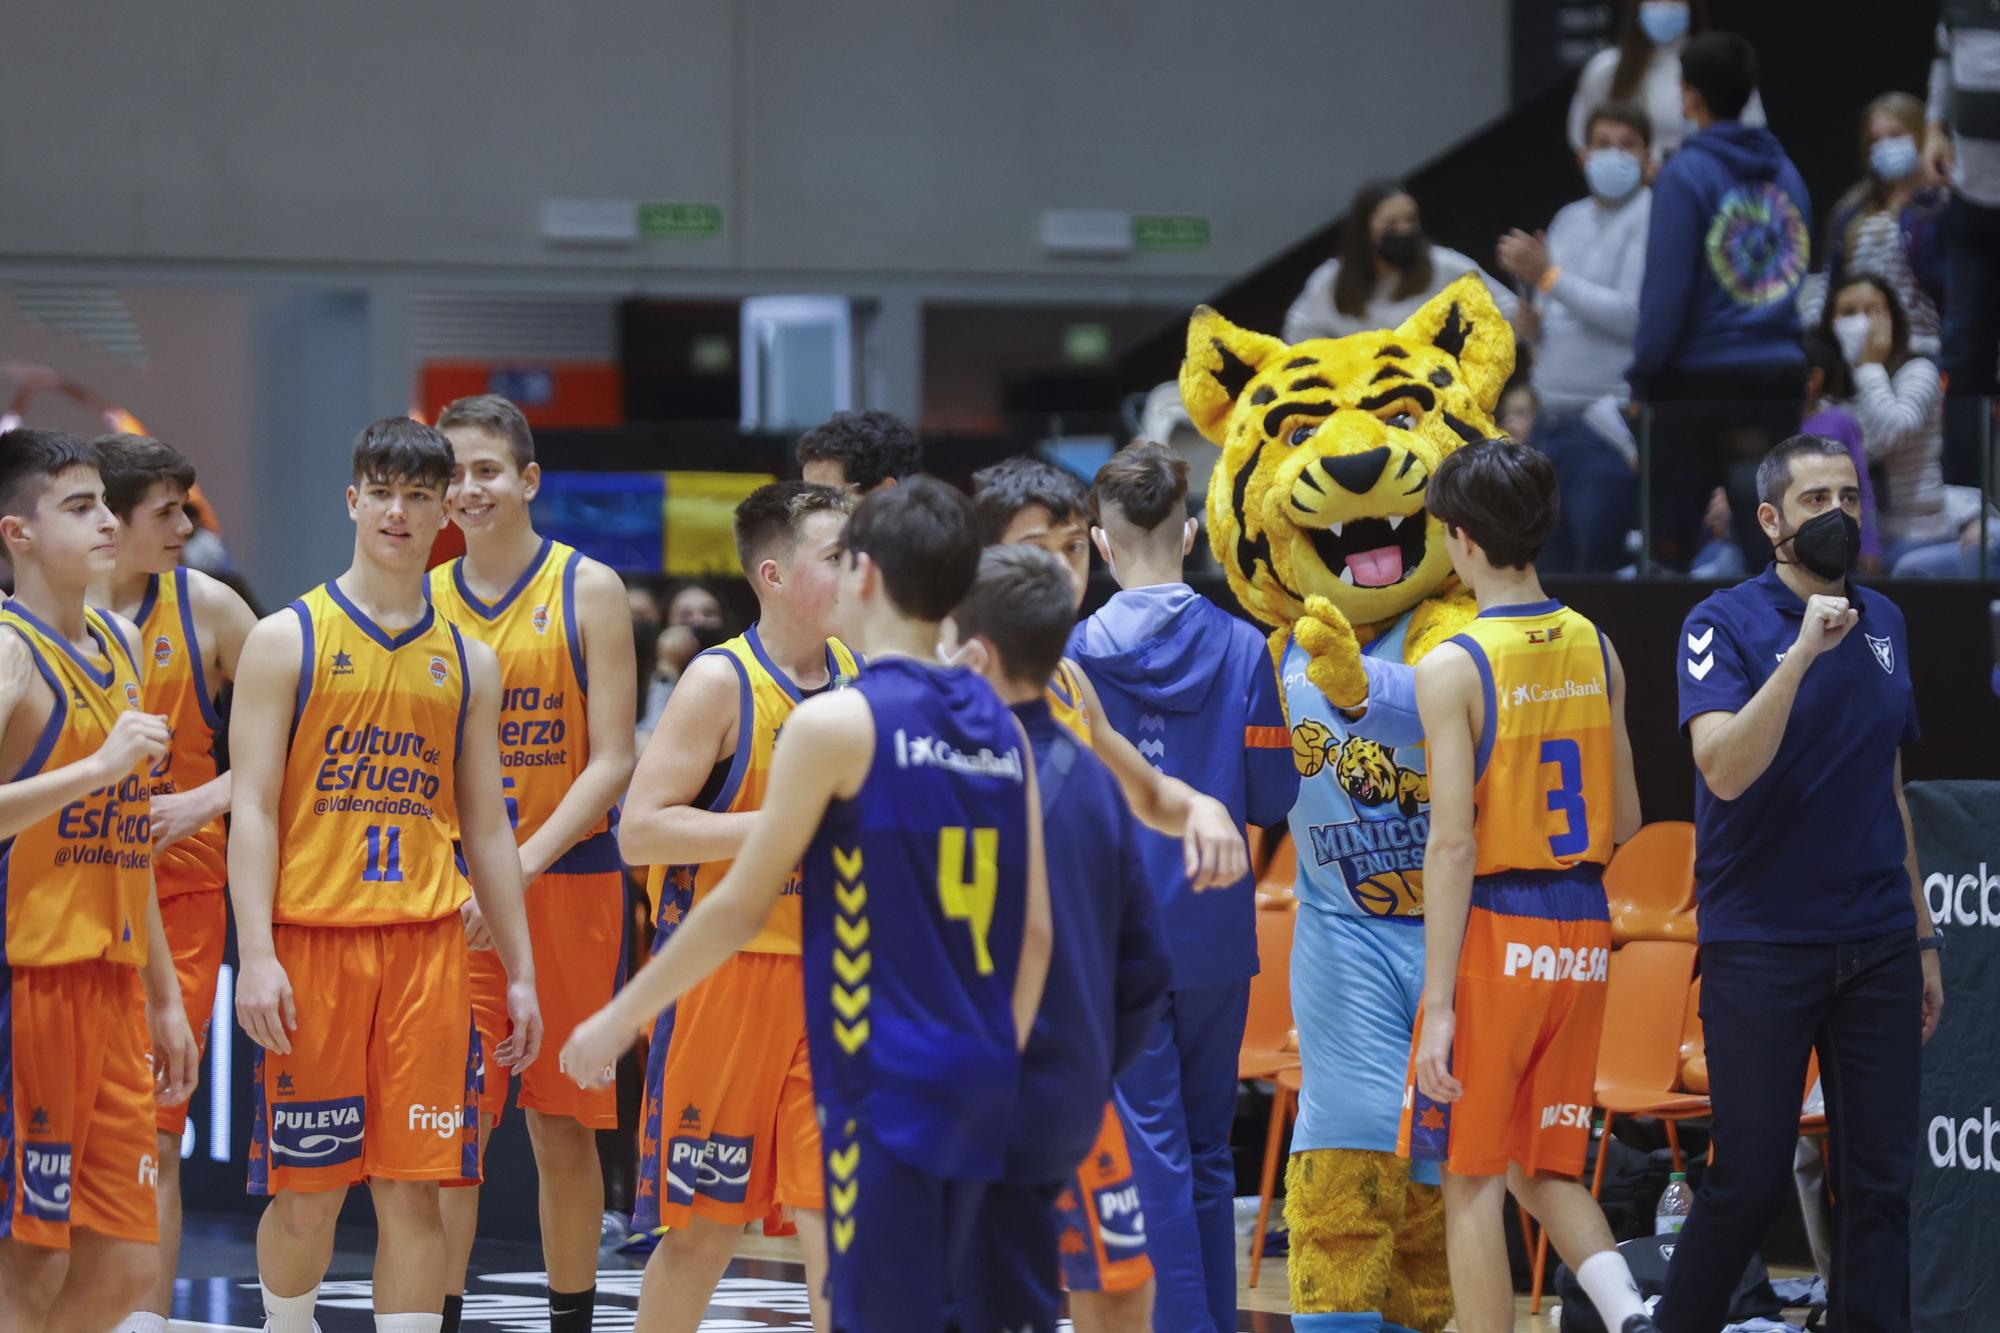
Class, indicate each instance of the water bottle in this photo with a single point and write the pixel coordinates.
(1675, 1205)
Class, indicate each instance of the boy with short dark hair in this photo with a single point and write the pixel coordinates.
(367, 756)
(911, 797)
(80, 926)
(191, 630)
(1196, 686)
(1531, 783)
(860, 451)
(1107, 978)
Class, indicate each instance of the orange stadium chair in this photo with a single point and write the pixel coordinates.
(1694, 1045)
(1639, 1055)
(1267, 1047)
(1650, 883)
(1284, 1106)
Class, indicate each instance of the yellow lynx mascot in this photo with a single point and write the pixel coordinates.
(1317, 514)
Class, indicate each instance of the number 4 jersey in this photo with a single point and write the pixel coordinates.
(368, 807)
(914, 906)
(1545, 759)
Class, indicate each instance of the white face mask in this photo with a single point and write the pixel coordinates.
(1893, 158)
(1663, 21)
(1613, 173)
(1851, 331)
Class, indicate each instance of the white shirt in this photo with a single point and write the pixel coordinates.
(1591, 310)
(1902, 428)
(1312, 314)
(1970, 59)
(1658, 94)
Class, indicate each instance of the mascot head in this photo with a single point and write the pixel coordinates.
(1327, 447)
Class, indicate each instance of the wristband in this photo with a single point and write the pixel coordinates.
(1933, 942)
(1547, 281)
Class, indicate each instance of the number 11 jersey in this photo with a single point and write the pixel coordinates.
(369, 805)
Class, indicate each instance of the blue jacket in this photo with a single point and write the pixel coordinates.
(1194, 688)
(1729, 246)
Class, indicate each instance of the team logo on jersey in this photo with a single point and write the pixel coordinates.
(45, 1180)
(132, 694)
(1548, 635)
(540, 620)
(439, 671)
(285, 1084)
(318, 1133)
(343, 665)
(163, 650)
(717, 1168)
(1884, 650)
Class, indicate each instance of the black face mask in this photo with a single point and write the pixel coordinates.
(710, 636)
(1400, 248)
(1827, 546)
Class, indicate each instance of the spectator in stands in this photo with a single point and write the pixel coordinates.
(1899, 402)
(860, 450)
(1796, 696)
(1645, 67)
(1586, 274)
(1716, 352)
(1962, 142)
(1386, 268)
(1892, 221)
(696, 620)
(1520, 408)
(1830, 383)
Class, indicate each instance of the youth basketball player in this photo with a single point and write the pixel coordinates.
(1531, 783)
(911, 795)
(81, 921)
(1067, 1205)
(727, 1132)
(559, 624)
(1023, 501)
(365, 733)
(191, 631)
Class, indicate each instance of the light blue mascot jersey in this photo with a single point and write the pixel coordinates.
(1358, 827)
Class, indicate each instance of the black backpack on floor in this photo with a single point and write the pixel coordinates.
(1648, 1257)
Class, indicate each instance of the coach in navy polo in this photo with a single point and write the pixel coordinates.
(1795, 692)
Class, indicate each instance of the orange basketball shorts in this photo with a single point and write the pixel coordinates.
(576, 924)
(1101, 1229)
(729, 1131)
(77, 1147)
(1529, 1013)
(382, 1078)
(196, 925)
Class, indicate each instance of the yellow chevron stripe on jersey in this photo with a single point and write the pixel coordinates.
(1068, 702)
(176, 684)
(369, 803)
(74, 883)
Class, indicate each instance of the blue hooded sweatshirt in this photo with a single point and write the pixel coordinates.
(1194, 688)
(1729, 246)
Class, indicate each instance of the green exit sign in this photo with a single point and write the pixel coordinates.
(1170, 231)
(680, 222)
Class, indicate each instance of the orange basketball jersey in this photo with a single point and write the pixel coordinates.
(766, 698)
(176, 684)
(75, 883)
(366, 815)
(1545, 787)
(544, 725)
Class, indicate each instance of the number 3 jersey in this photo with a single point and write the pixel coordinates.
(368, 806)
(1545, 760)
(914, 908)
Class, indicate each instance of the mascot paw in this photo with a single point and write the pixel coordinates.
(1335, 666)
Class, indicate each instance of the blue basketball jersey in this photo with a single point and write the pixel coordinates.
(914, 906)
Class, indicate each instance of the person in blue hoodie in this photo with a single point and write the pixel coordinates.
(1108, 977)
(1194, 686)
(1717, 355)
